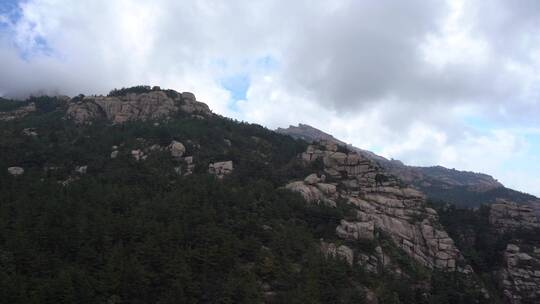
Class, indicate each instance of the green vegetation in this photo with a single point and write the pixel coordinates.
(137, 232)
(464, 198)
(136, 90)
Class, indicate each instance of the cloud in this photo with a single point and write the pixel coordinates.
(404, 78)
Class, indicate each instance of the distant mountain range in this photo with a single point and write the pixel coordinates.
(462, 188)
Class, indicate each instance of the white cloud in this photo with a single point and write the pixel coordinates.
(395, 77)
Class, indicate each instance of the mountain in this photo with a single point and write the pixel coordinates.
(461, 188)
(147, 196)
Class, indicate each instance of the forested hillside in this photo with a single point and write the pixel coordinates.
(134, 212)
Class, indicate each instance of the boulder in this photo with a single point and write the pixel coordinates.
(15, 171)
(138, 155)
(344, 252)
(29, 132)
(327, 189)
(220, 169)
(311, 179)
(512, 248)
(310, 193)
(177, 149)
(81, 169)
(188, 96)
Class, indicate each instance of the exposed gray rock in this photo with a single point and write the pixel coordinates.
(190, 165)
(520, 278)
(419, 176)
(131, 107)
(18, 113)
(310, 193)
(220, 169)
(188, 96)
(29, 132)
(192, 106)
(505, 216)
(177, 149)
(138, 155)
(344, 252)
(314, 192)
(355, 230)
(381, 202)
(311, 179)
(81, 169)
(15, 171)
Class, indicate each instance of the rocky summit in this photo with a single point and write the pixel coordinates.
(462, 188)
(153, 105)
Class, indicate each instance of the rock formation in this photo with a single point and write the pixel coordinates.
(191, 105)
(381, 203)
(81, 169)
(314, 190)
(146, 106)
(520, 279)
(421, 177)
(177, 149)
(18, 113)
(138, 155)
(506, 216)
(15, 171)
(190, 166)
(220, 169)
(29, 132)
(342, 251)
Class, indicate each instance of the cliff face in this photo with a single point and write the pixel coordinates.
(520, 278)
(381, 203)
(508, 216)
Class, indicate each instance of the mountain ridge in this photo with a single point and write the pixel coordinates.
(438, 182)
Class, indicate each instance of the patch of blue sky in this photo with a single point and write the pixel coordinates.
(238, 82)
(478, 123)
(10, 13)
(533, 140)
(237, 85)
(10, 10)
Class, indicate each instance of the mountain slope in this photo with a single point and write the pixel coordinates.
(462, 188)
(145, 195)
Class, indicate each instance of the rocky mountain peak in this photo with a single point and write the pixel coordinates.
(463, 188)
(126, 106)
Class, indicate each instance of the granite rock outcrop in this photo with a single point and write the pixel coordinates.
(506, 216)
(220, 169)
(382, 203)
(520, 279)
(154, 105)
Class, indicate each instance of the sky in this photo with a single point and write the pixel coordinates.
(453, 83)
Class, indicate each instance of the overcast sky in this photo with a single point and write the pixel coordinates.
(455, 83)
